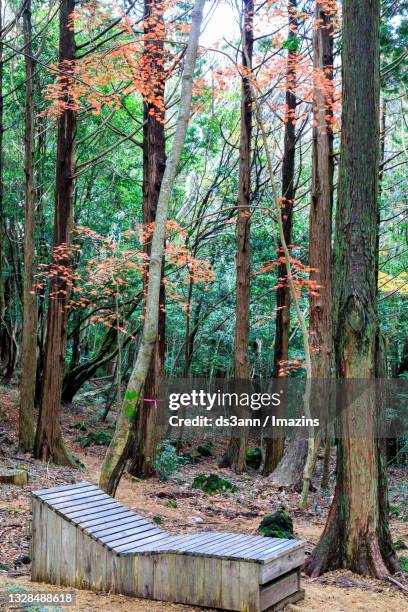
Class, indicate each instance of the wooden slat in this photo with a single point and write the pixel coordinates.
(164, 545)
(78, 514)
(68, 554)
(189, 579)
(53, 546)
(47, 492)
(39, 541)
(120, 526)
(279, 589)
(255, 550)
(164, 577)
(98, 567)
(130, 534)
(268, 556)
(208, 542)
(213, 582)
(248, 586)
(220, 546)
(84, 556)
(128, 576)
(120, 548)
(281, 565)
(65, 495)
(85, 523)
(145, 573)
(87, 504)
(230, 597)
(75, 499)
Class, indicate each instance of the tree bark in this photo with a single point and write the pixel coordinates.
(123, 438)
(154, 162)
(235, 455)
(2, 234)
(356, 535)
(49, 443)
(29, 342)
(274, 447)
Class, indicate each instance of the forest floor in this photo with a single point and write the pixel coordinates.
(179, 508)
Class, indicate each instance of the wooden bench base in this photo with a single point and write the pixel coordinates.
(215, 570)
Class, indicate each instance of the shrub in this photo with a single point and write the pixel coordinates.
(277, 525)
(213, 484)
(167, 461)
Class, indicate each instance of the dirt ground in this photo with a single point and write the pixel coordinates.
(179, 508)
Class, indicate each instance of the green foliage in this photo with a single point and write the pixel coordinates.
(400, 545)
(98, 438)
(168, 461)
(254, 458)
(205, 450)
(172, 503)
(213, 484)
(404, 563)
(81, 426)
(277, 525)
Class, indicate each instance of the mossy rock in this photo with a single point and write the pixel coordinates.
(277, 525)
(205, 450)
(213, 484)
(17, 477)
(254, 458)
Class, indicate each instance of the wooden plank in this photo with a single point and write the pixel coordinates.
(68, 554)
(164, 577)
(39, 541)
(65, 495)
(258, 550)
(189, 579)
(202, 545)
(280, 588)
(281, 565)
(112, 572)
(213, 582)
(145, 575)
(290, 545)
(291, 599)
(221, 546)
(230, 595)
(120, 526)
(98, 567)
(125, 546)
(83, 560)
(127, 576)
(130, 534)
(50, 491)
(162, 546)
(248, 587)
(53, 563)
(75, 499)
(78, 514)
(87, 504)
(120, 513)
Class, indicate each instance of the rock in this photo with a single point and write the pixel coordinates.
(254, 458)
(198, 519)
(277, 525)
(16, 477)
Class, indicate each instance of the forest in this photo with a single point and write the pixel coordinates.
(208, 194)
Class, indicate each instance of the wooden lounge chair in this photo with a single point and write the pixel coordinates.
(83, 538)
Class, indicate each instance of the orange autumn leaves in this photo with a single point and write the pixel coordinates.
(106, 274)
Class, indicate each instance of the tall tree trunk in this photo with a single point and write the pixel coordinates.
(154, 162)
(356, 535)
(235, 455)
(29, 348)
(274, 447)
(116, 456)
(2, 233)
(320, 221)
(49, 443)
